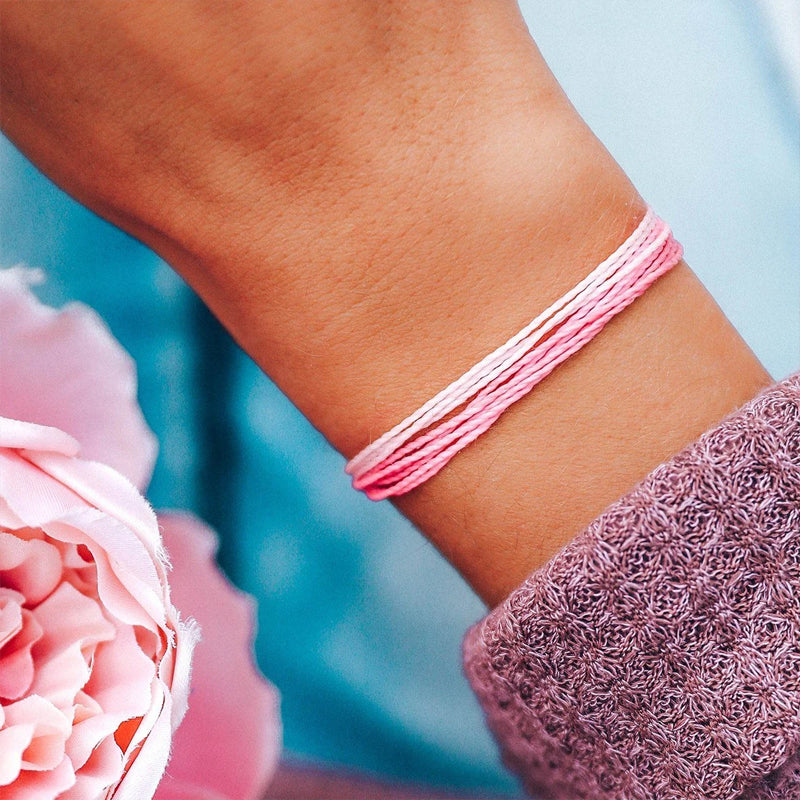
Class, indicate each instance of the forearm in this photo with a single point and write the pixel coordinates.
(426, 262)
(389, 196)
(665, 370)
(359, 356)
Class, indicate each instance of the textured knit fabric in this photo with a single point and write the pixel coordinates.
(657, 656)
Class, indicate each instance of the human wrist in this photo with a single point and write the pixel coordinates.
(415, 198)
(360, 342)
(462, 259)
(363, 298)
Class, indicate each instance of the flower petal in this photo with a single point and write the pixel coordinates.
(121, 683)
(37, 488)
(69, 617)
(98, 773)
(172, 789)
(16, 661)
(229, 696)
(42, 785)
(13, 743)
(17, 434)
(71, 374)
(51, 727)
(10, 615)
(31, 566)
(144, 774)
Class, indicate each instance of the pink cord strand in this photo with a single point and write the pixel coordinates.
(417, 448)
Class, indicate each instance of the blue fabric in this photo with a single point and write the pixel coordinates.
(360, 619)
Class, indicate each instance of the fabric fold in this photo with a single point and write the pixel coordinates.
(657, 655)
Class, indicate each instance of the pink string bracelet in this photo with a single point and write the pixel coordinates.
(419, 446)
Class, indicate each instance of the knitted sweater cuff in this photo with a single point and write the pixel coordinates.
(657, 656)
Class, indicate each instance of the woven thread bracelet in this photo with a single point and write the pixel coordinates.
(419, 446)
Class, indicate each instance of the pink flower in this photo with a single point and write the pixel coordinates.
(94, 658)
(65, 370)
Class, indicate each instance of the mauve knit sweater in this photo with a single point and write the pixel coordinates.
(657, 656)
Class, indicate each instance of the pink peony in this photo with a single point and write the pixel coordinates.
(94, 659)
(94, 666)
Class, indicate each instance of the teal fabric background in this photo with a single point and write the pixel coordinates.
(360, 619)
